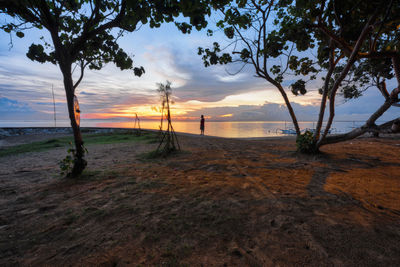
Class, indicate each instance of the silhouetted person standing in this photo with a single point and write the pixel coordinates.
(202, 125)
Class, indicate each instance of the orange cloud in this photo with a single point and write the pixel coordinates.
(98, 116)
(226, 115)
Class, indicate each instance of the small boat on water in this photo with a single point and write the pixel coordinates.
(293, 131)
(332, 130)
(286, 131)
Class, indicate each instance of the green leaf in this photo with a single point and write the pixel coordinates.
(299, 87)
(7, 29)
(229, 32)
(20, 34)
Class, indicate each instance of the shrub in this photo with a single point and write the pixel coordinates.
(305, 143)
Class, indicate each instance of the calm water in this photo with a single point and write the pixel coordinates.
(222, 129)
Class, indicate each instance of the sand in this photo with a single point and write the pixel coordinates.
(220, 202)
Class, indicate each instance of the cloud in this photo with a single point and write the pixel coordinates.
(266, 112)
(212, 84)
(13, 109)
(231, 78)
(363, 107)
(277, 112)
(86, 93)
(9, 105)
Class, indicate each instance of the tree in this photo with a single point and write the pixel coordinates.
(81, 33)
(354, 40)
(364, 37)
(256, 41)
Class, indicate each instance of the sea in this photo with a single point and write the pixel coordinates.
(231, 129)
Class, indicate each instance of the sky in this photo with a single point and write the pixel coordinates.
(166, 54)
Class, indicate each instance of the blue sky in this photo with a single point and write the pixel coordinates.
(166, 54)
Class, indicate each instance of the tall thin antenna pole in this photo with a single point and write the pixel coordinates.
(54, 106)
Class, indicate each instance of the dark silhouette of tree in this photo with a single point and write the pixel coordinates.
(85, 33)
(256, 41)
(356, 45)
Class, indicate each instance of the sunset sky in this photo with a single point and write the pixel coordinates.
(166, 54)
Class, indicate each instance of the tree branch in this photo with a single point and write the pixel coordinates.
(332, 64)
(82, 66)
(343, 74)
(79, 42)
(382, 88)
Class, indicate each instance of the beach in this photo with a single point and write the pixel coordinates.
(218, 202)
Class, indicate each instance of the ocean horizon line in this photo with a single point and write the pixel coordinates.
(176, 120)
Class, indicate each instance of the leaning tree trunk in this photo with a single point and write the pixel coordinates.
(290, 109)
(287, 103)
(79, 162)
(367, 127)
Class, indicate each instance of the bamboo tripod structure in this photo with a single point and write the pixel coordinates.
(138, 130)
(168, 137)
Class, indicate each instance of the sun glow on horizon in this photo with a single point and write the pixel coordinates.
(181, 110)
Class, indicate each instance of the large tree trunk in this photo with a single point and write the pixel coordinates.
(367, 127)
(65, 62)
(79, 162)
(287, 103)
(290, 109)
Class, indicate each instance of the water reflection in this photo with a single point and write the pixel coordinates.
(223, 129)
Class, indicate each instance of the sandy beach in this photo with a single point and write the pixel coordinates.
(219, 202)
